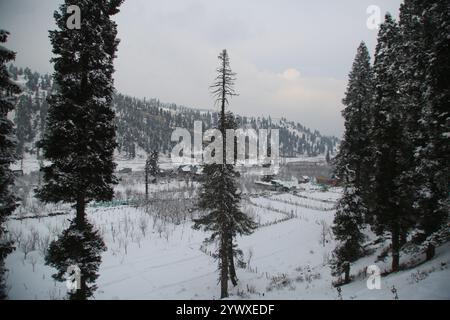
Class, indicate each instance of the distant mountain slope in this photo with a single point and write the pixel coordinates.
(148, 124)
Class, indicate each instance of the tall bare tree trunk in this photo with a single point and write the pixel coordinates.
(226, 259)
(395, 248)
(223, 268)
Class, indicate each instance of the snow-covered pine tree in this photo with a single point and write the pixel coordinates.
(219, 197)
(244, 225)
(392, 203)
(355, 151)
(151, 169)
(411, 65)
(80, 136)
(153, 163)
(433, 152)
(353, 165)
(79, 245)
(347, 229)
(8, 201)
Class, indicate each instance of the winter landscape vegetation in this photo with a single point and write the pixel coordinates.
(93, 205)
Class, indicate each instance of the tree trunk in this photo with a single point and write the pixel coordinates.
(82, 292)
(223, 268)
(224, 81)
(431, 250)
(231, 266)
(146, 184)
(346, 272)
(395, 248)
(81, 206)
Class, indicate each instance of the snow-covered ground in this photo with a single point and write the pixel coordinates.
(166, 262)
(150, 256)
(30, 162)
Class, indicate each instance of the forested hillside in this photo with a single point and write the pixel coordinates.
(147, 124)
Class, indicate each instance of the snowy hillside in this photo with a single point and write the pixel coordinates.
(147, 124)
(153, 253)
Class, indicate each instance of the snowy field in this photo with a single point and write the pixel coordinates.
(153, 252)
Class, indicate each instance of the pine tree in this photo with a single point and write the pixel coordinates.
(80, 136)
(151, 169)
(392, 205)
(411, 67)
(353, 165)
(433, 152)
(354, 152)
(347, 229)
(153, 163)
(243, 225)
(8, 202)
(219, 197)
(79, 245)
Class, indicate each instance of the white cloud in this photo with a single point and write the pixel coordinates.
(292, 56)
(313, 101)
(291, 74)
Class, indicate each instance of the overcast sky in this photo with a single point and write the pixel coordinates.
(292, 57)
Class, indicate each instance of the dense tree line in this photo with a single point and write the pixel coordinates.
(149, 124)
(395, 155)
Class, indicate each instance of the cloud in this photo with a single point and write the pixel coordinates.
(292, 56)
(291, 74)
(313, 101)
